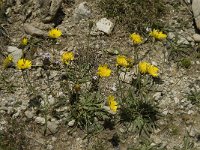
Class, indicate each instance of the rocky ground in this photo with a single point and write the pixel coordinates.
(21, 121)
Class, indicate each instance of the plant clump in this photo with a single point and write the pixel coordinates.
(136, 15)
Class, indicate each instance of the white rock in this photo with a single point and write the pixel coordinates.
(127, 77)
(182, 41)
(15, 52)
(171, 35)
(51, 100)
(82, 12)
(190, 112)
(71, 123)
(165, 112)
(176, 100)
(189, 38)
(49, 147)
(30, 29)
(196, 37)
(157, 95)
(40, 120)
(29, 114)
(196, 12)
(52, 127)
(105, 25)
(188, 1)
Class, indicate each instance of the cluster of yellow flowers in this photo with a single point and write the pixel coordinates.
(103, 70)
(145, 67)
(159, 35)
(137, 39)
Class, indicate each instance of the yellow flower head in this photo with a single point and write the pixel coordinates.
(7, 61)
(153, 71)
(136, 38)
(24, 64)
(67, 57)
(158, 34)
(112, 103)
(143, 67)
(55, 33)
(24, 41)
(122, 61)
(104, 71)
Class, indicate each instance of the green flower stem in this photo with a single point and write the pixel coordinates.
(46, 113)
(120, 85)
(136, 55)
(27, 81)
(48, 81)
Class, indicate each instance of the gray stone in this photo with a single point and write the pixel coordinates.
(51, 100)
(126, 77)
(49, 147)
(15, 52)
(171, 35)
(82, 12)
(112, 51)
(196, 37)
(29, 114)
(189, 38)
(183, 40)
(55, 5)
(40, 120)
(188, 1)
(30, 29)
(196, 12)
(105, 25)
(52, 127)
(157, 95)
(71, 123)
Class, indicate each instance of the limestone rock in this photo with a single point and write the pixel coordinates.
(81, 12)
(105, 25)
(52, 127)
(40, 120)
(196, 12)
(30, 29)
(29, 114)
(71, 123)
(196, 37)
(15, 52)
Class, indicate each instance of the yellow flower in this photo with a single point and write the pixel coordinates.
(104, 71)
(67, 57)
(24, 41)
(7, 61)
(112, 103)
(122, 61)
(55, 33)
(24, 64)
(136, 38)
(152, 70)
(158, 34)
(143, 67)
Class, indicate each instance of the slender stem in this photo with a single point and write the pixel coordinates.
(27, 81)
(120, 86)
(48, 81)
(45, 109)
